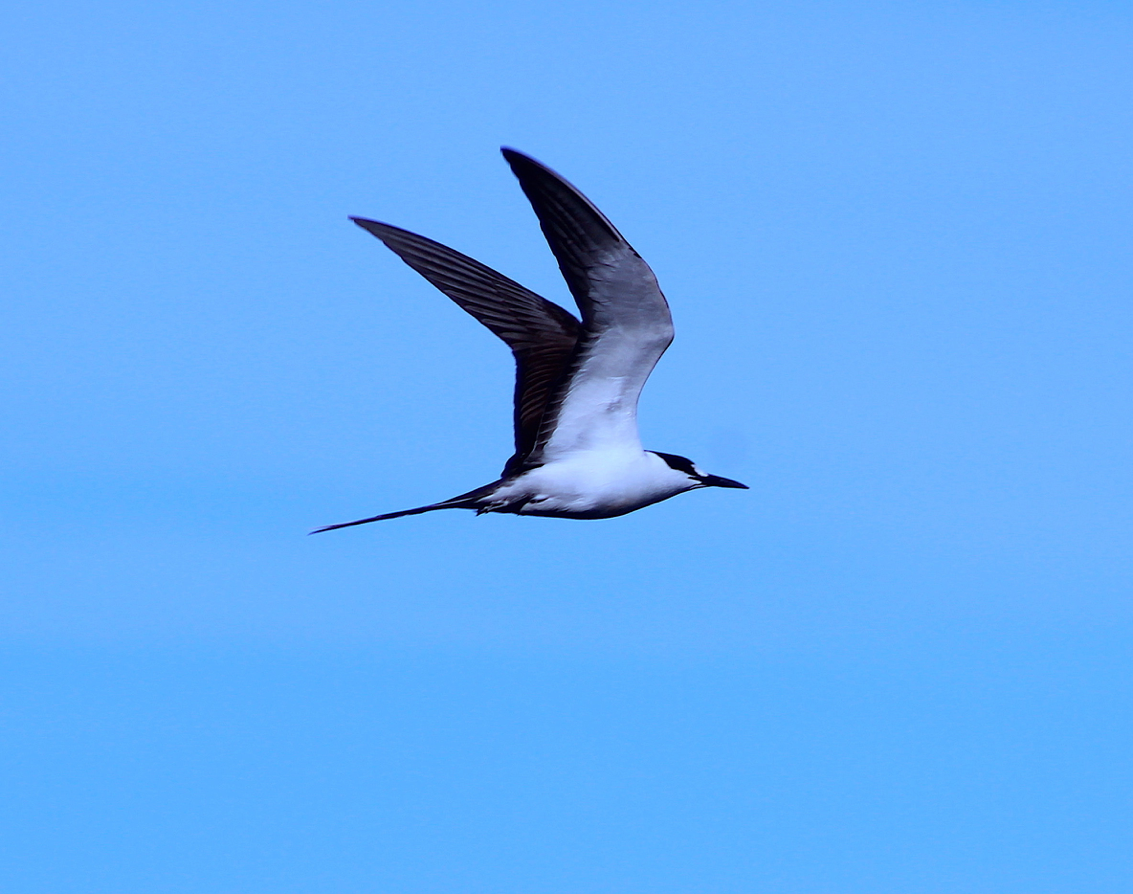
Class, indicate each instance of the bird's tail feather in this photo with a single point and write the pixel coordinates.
(364, 521)
(470, 500)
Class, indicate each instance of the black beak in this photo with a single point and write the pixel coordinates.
(717, 481)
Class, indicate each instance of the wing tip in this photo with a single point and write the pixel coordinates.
(518, 160)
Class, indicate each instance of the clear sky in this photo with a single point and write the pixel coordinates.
(896, 241)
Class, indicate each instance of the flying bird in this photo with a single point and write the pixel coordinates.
(577, 449)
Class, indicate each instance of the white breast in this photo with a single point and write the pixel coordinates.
(594, 484)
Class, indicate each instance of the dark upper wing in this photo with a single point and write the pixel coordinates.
(625, 318)
(541, 335)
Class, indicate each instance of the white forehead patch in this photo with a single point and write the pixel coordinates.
(700, 472)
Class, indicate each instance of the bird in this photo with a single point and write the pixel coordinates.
(578, 453)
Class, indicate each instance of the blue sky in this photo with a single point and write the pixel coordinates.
(895, 238)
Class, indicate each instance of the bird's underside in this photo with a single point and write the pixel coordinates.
(577, 450)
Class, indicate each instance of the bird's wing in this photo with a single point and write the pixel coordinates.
(541, 335)
(625, 319)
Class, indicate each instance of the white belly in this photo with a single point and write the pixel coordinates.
(591, 484)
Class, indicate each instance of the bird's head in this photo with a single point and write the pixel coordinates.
(697, 477)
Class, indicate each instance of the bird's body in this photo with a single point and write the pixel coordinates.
(577, 449)
(600, 483)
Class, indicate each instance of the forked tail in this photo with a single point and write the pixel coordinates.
(470, 500)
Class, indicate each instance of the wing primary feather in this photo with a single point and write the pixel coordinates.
(578, 233)
(625, 318)
(516, 314)
(541, 335)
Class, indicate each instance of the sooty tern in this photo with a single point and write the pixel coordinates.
(577, 450)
